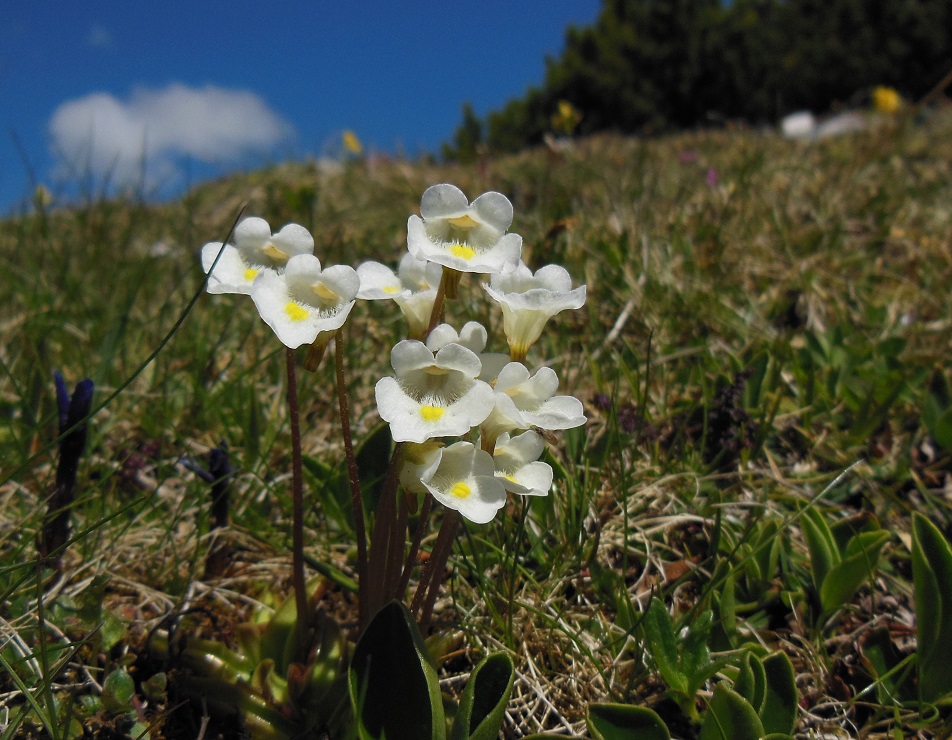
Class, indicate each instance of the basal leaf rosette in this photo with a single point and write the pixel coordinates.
(517, 464)
(433, 394)
(466, 481)
(305, 301)
(255, 251)
(524, 401)
(464, 236)
(528, 301)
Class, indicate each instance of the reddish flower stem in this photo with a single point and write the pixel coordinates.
(297, 499)
(433, 574)
(353, 475)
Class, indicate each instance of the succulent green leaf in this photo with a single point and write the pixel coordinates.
(751, 682)
(622, 722)
(884, 664)
(932, 580)
(279, 637)
(663, 646)
(118, 692)
(725, 613)
(393, 688)
(730, 716)
(696, 655)
(482, 707)
(824, 554)
(779, 711)
(942, 430)
(861, 559)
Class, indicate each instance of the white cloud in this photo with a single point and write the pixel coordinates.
(110, 138)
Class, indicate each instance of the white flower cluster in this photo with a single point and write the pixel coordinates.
(445, 384)
(293, 295)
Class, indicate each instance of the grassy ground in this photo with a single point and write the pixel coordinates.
(763, 316)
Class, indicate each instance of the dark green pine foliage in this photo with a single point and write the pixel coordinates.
(651, 65)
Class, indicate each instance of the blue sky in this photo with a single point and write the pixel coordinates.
(208, 87)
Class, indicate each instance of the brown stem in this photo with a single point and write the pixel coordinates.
(377, 561)
(429, 586)
(398, 540)
(415, 544)
(297, 498)
(385, 522)
(353, 475)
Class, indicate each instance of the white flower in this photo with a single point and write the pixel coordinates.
(528, 301)
(433, 395)
(418, 463)
(517, 465)
(462, 236)
(255, 252)
(413, 288)
(473, 336)
(305, 301)
(465, 481)
(522, 402)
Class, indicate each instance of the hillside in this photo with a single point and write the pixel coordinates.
(763, 359)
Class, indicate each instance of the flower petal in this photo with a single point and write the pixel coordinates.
(231, 274)
(295, 323)
(409, 355)
(294, 239)
(443, 201)
(465, 481)
(378, 282)
(495, 209)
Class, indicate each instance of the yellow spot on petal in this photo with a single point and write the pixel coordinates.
(462, 251)
(390, 290)
(436, 371)
(463, 222)
(509, 478)
(295, 312)
(461, 490)
(274, 253)
(324, 292)
(432, 413)
(250, 274)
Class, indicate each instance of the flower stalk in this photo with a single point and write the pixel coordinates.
(297, 516)
(353, 475)
(435, 570)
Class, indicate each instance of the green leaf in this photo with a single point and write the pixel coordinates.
(942, 430)
(725, 614)
(279, 637)
(751, 682)
(779, 711)
(861, 559)
(482, 706)
(118, 692)
(663, 646)
(622, 722)
(696, 655)
(932, 580)
(393, 688)
(884, 665)
(111, 631)
(730, 716)
(824, 554)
